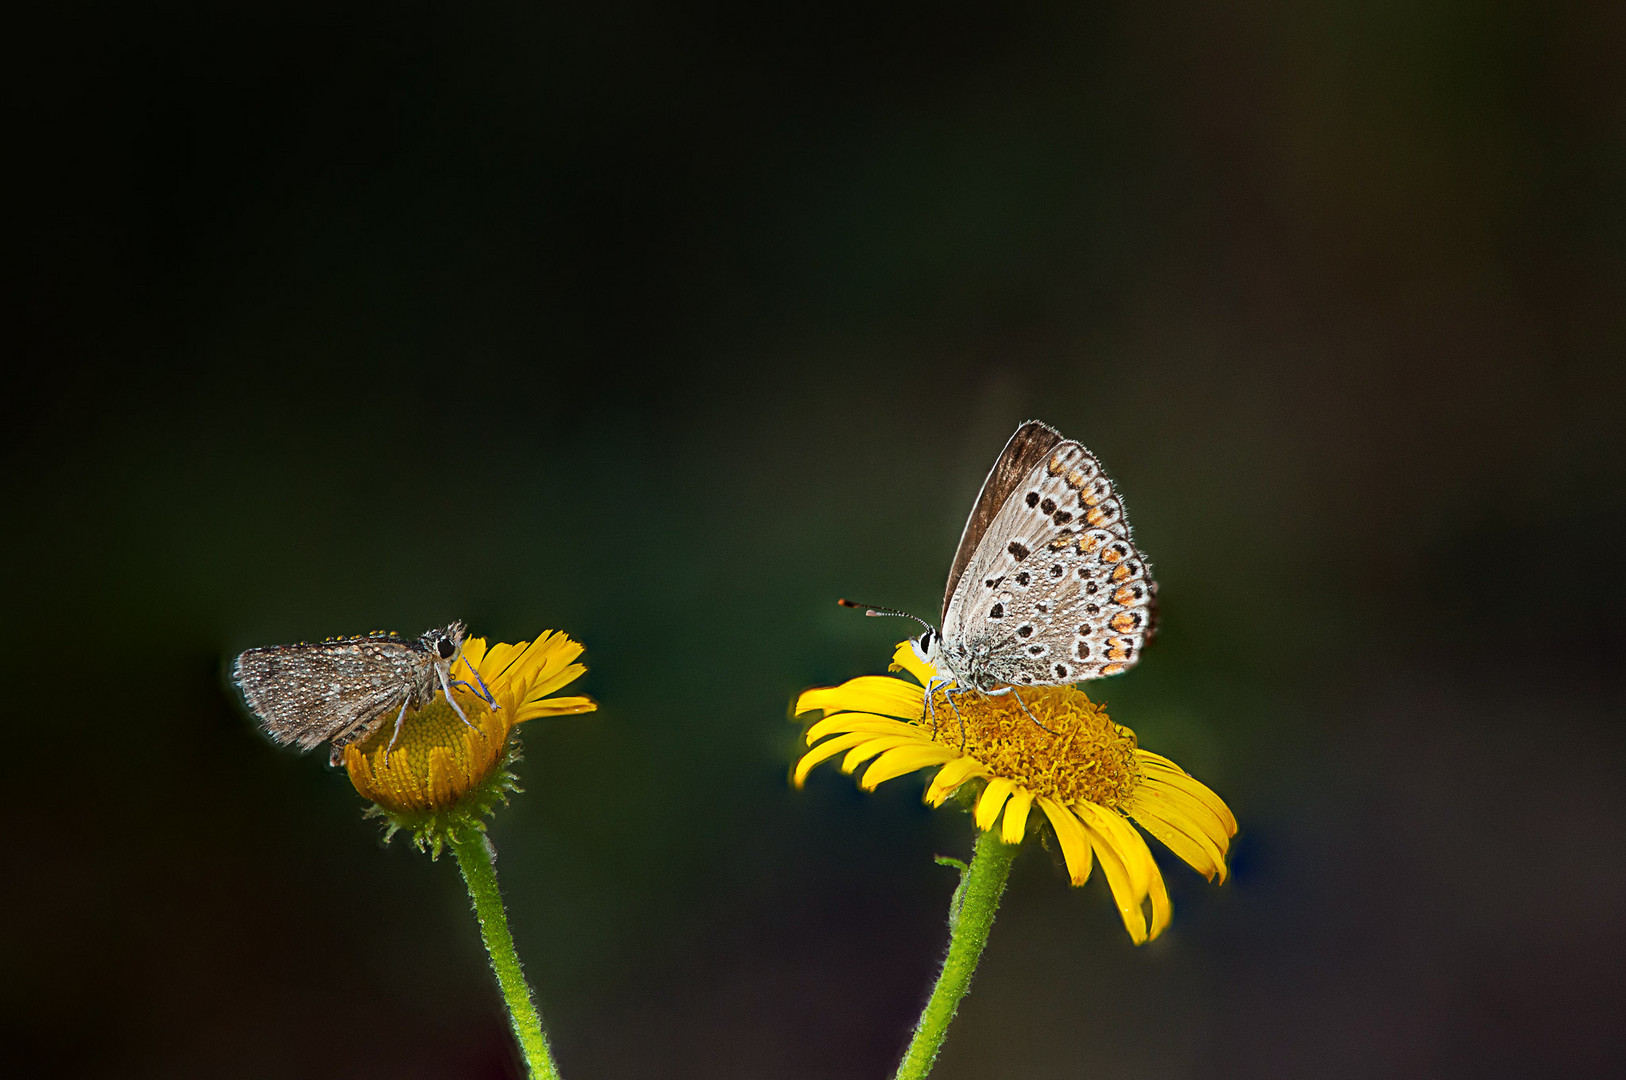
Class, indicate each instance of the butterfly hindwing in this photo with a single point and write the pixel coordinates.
(1054, 591)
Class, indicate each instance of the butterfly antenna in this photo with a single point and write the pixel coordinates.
(875, 612)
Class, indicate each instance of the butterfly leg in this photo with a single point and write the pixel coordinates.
(934, 684)
(450, 700)
(1028, 711)
(1011, 690)
(396, 734)
(948, 696)
(484, 691)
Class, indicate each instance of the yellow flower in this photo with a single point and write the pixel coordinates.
(1085, 774)
(442, 776)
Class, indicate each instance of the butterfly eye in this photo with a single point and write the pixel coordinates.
(446, 649)
(926, 640)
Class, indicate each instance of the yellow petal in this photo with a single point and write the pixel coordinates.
(1181, 808)
(1190, 819)
(1016, 816)
(1158, 767)
(559, 706)
(827, 749)
(443, 785)
(549, 681)
(1162, 910)
(1177, 841)
(950, 777)
(1137, 857)
(1123, 893)
(903, 759)
(473, 650)
(500, 658)
(871, 746)
(867, 693)
(989, 803)
(905, 659)
(854, 721)
(1075, 842)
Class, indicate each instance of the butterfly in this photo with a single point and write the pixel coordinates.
(1047, 586)
(342, 689)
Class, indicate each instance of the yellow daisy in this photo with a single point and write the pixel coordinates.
(1085, 774)
(443, 776)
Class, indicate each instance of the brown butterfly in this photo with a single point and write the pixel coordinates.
(342, 689)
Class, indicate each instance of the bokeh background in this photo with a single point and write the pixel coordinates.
(667, 327)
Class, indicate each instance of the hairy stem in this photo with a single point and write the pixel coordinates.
(971, 916)
(474, 858)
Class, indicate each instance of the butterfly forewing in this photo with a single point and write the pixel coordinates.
(1054, 590)
(306, 694)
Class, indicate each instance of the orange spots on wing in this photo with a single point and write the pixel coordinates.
(1112, 669)
(1125, 620)
(1087, 544)
(1122, 572)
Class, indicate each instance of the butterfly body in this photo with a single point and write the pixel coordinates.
(1047, 586)
(342, 689)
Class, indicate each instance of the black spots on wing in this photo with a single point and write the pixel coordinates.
(1062, 517)
(1083, 650)
(1061, 671)
(1057, 570)
(1018, 550)
(1025, 630)
(1090, 586)
(1048, 507)
(1042, 608)
(1036, 650)
(1023, 578)
(1092, 609)
(1033, 499)
(997, 611)
(993, 582)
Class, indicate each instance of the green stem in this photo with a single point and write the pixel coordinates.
(474, 854)
(971, 916)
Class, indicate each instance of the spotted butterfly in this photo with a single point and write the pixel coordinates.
(1047, 586)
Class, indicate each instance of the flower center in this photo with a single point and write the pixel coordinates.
(433, 727)
(1083, 756)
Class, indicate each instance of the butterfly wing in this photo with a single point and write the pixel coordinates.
(1027, 448)
(306, 694)
(1055, 590)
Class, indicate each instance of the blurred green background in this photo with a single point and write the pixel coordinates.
(666, 328)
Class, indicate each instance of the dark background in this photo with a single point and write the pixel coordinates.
(667, 328)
